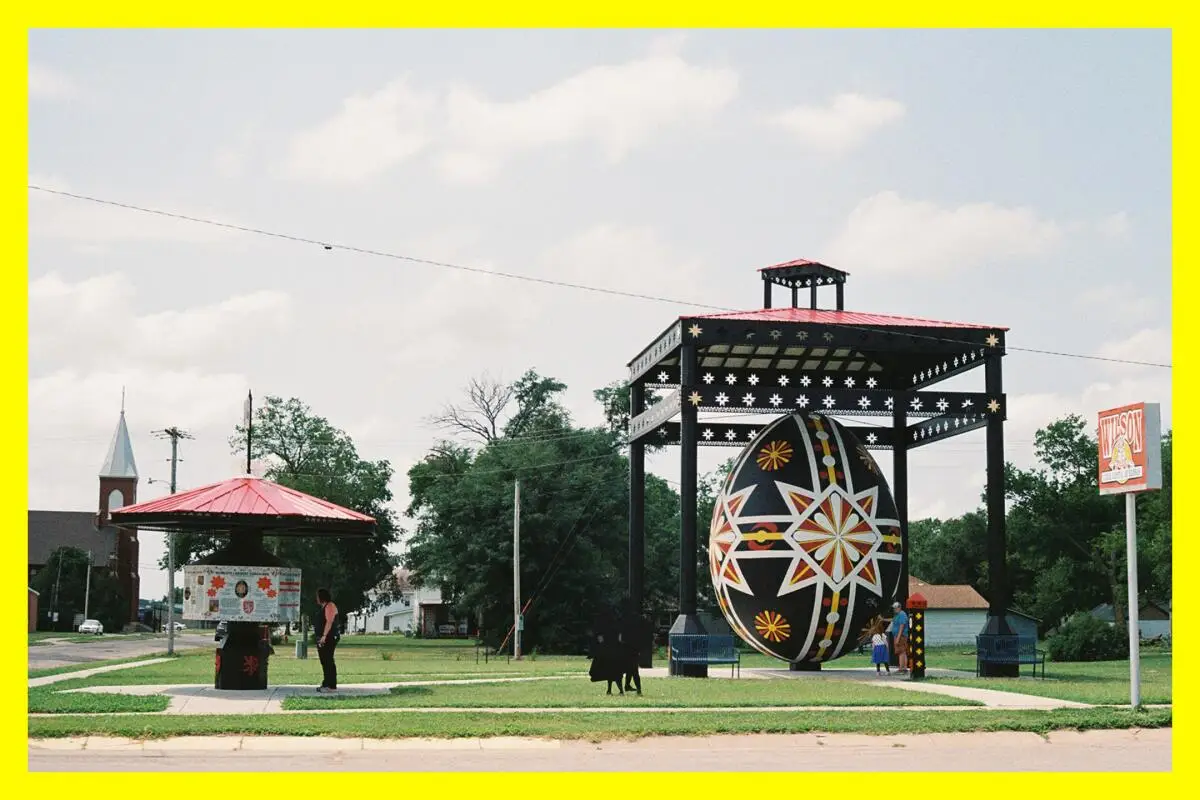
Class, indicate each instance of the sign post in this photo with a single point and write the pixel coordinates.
(1130, 440)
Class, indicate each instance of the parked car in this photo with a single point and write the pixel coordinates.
(179, 626)
(222, 630)
(91, 626)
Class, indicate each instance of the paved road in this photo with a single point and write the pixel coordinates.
(1092, 751)
(103, 648)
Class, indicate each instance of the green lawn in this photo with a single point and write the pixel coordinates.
(48, 701)
(360, 659)
(576, 692)
(1097, 682)
(595, 727)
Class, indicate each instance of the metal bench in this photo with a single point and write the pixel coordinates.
(703, 648)
(993, 649)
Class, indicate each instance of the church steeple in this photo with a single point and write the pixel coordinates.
(120, 463)
(118, 488)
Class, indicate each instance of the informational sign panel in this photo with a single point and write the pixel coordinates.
(1130, 449)
(241, 594)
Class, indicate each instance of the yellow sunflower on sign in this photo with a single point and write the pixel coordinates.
(772, 626)
(774, 456)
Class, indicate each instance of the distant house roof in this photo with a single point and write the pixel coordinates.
(50, 530)
(1147, 611)
(951, 596)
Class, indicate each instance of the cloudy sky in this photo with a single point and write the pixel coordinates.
(1006, 178)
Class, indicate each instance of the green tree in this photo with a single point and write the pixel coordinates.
(951, 551)
(305, 452)
(107, 602)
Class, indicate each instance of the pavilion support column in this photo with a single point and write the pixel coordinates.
(795, 296)
(687, 622)
(637, 520)
(766, 293)
(997, 619)
(900, 495)
(812, 296)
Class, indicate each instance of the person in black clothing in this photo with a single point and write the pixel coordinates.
(632, 637)
(327, 639)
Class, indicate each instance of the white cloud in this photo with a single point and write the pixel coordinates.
(50, 84)
(623, 257)
(369, 135)
(1149, 344)
(841, 126)
(889, 233)
(1119, 302)
(93, 323)
(1115, 226)
(617, 107)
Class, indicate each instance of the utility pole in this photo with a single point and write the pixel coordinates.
(174, 434)
(87, 587)
(54, 600)
(517, 570)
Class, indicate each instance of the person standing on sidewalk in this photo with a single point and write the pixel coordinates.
(327, 639)
(899, 631)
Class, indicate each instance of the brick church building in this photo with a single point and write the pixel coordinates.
(112, 548)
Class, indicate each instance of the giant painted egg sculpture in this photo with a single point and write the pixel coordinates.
(804, 547)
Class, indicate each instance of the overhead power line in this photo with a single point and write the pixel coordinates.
(328, 245)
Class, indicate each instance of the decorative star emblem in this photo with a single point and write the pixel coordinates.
(916, 404)
(708, 434)
(750, 434)
(889, 402)
(802, 335)
(992, 340)
(827, 381)
(942, 405)
(914, 436)
(827, 336)
(783, 380)
(966, 403)
(973, 356)
(776, 400)
(805, 380)
(993, 405)
(730, 435)
(849, 383)
(956, 422)
(863, 402)
(776, 334)
(722, 399)
(922, 433)
(872, 383)
(945, 366)
(708, 377)
(937, 370)
(695, 330)
(872, 438)
(694, 398)
(662, 377)
(956, 361)
(748, 399)
(829, 401)
(662, 432)
(752, 380)
(802, 401)
(731, 379)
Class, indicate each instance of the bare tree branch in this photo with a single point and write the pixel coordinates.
(479, 417)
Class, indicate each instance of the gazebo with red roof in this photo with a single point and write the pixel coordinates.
(245, 509)
(842, 363)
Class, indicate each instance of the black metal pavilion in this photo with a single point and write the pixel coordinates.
(776, 360)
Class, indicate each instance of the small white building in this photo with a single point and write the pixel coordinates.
(403, 615)
(1154, 619)
(957, 613)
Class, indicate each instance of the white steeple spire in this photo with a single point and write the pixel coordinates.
(120, 463)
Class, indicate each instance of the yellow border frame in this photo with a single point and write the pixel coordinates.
(665, 13)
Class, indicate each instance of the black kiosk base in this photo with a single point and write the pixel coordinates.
(241, 657)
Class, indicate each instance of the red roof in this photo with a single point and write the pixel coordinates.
(799, 262)
(243, 500)
(823, 316)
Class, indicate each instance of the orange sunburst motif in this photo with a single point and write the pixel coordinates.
(774, 455)
(772, 626)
